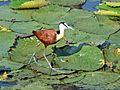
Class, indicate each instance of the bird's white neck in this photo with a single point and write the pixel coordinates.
(62, 29)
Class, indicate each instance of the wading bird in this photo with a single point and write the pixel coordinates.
(51, 36)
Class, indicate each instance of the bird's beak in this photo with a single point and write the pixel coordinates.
(70, 28)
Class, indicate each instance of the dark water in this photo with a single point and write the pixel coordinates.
(4, 2)
(90, 5)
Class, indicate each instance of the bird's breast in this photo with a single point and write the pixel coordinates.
(59, 36)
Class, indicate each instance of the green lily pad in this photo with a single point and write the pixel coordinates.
(9, 64)
(106, 7)
(37, 86)
(50, 14)
(17, 3)
(113, 56)
(99, 78)
(20, 15)
(88, 58)
(6, 39)
(24, 50)
(6, 24)
(25, 27)
(114, 39)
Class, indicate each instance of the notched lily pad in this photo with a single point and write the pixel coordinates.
(89, 58)
(24, 50)
(50, 14)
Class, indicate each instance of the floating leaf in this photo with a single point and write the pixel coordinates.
(114, 39)
(9, 64)
(20, 15)
(25, 27)
(4, 29)
(3, 76)
(6, 39)
(34, 4)
(108, 13)
(98, 79)
(113, 11)
(50, 14)
(88, 59)
(24, 50)
(113, 4)
(37, 86)
(113, 56)
(17, 3)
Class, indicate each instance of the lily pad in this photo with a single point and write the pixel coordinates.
(24, 50)
(98, 80)
(25, 27)
(27, 4)
(20, 15)
(9, 64)
(37, 86)
(114, 39)
(113, 56)
(50, 14)
(89, 58)
(6, 39)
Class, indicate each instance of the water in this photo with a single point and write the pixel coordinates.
(90, 5)
(5, 2)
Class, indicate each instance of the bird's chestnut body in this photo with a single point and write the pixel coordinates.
(47, 36)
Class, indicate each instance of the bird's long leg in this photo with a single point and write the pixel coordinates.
(33, 57)
(54, 69)
(44, 54)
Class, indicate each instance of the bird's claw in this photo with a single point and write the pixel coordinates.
(58, 70)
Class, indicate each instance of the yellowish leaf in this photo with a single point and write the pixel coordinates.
(4, 29)
(34, 4)
(107, 13)
(3, 76)
(102, 61)
(117, 51)
(113, 4)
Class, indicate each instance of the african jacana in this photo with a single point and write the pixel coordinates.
(51, 36)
